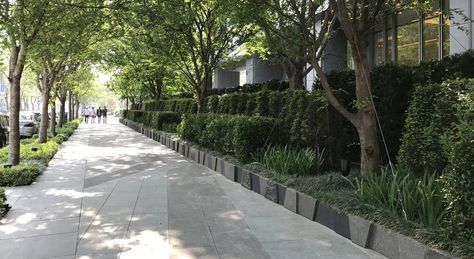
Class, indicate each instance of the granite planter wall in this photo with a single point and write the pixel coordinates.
(360, 231)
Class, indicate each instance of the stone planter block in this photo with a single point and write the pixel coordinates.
(238, 171)
(410, 249)
(360, 230)
(341, 225)
(230, 171)
(291, 200)
(219, 166)
(202, 157)
(246, 179)
(281, 192)
(209, 161)
(182, 149)
(384, 241)
(268, 189)
(255, 182)
(326, 215)
(193, 154)
(307, 206)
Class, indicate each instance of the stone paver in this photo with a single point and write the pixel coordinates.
(113, 193)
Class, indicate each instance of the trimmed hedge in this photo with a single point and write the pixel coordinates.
(3, 202)
(22, 174)
(33, 162)
(431, 114)
(181, 105)
(160, 120)
(459, 175)
(235, 135)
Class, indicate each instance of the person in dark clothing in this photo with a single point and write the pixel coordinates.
(104, 115)
(99, 114)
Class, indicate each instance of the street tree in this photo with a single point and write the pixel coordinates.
(20, 24)
(197, 35)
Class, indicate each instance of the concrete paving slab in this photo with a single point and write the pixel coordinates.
(111, 192)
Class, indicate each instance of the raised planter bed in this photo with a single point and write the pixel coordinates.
(360, 231)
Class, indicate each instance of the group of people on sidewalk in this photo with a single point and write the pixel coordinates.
(91, 113)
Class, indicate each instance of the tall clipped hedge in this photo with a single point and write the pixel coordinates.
(179, 105)
(458, 177)
(236, 135)
(431, 114)
(160, 120)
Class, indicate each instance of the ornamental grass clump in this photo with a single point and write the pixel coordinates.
(419, 200)
(286, 160)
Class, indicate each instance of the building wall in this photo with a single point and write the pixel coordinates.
(335, 54)
(225, 78)
(259, 71)
(461, 37)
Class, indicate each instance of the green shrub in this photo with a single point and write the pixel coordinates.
(236, 135)
(3, 202)
(459, 175)
(192, 126)
(251, 134)
(178, 105)
(430, 115)
(285, 160)
(420, 199)
(22, 174)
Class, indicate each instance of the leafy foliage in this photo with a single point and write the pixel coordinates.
(236, 135)
(290, 161)
(459, 175)
(430, 115)
(421, 199)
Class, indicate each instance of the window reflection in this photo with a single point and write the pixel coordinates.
(431, 38)
(408, 44)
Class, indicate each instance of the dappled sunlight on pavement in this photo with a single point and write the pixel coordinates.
(113, 193)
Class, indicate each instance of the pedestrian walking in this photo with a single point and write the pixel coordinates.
(104, 115)
(99, 114)
(86, 115)
(92, 114)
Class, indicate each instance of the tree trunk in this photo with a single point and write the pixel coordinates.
(43, 130)
(71, 107)
(295, 71)
(16, 67)
(62, 113)
(53, 118)
(76, 109)
(14, 121)
(45, 97)
(367, 129)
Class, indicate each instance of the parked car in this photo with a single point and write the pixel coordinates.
(4, 130)
(31, 115)
(27, 128)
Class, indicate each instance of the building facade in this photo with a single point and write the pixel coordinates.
(406, 38)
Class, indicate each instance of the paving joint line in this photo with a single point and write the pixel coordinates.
(131, 217)
(80, 211)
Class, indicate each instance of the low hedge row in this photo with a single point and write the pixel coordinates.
(160, 120)
(238, 136)
(33, 156)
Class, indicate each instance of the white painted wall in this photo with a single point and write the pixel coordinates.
(461, 37)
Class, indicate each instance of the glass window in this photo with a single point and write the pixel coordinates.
(379, 58)
(431, 38)
(408, 44)
(389, 47)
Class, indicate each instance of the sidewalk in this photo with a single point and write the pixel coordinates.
(113, 193)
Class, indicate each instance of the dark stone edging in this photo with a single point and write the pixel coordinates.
(360, 231)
